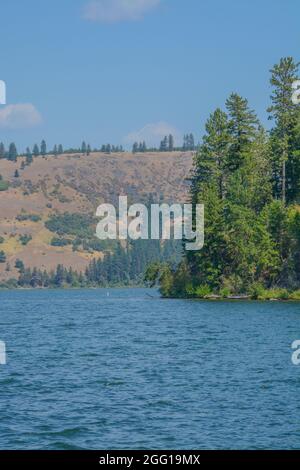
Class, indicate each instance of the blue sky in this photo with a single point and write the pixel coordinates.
(116, 70)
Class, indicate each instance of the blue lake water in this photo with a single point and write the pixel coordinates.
(132, 371)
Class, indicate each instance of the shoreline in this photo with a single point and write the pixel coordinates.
(209, 298)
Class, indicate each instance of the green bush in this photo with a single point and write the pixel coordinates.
(4, 185)
(202, 291)
(25, 239)
(60, 241)
(276, 293)
(79, 225)
(225, 292)
(295, 295)
(32, 217)
(257, 291)
(2, 257)
(19, 265)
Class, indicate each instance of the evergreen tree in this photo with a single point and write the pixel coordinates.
(83, 148)
(164, 145)
(191, 142)
(2, 150)
(252, 240)
(2, 257)
(211, 160)
(28, 156)
(286, 116)
(12, 152)
(43, 148)
(243, 124)
(36, 150)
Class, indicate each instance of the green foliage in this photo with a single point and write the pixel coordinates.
(124, 266)
(19, 265)
(32, 217)
(2, 257)
(4, 185)
(43, 148)
(285, 162)
(10, 284)
(12, 152)
(25, 239)
(60, 241)
(79, 225)
(245, 177)
(202, 291)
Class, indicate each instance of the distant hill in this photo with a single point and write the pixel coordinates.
(77, 184)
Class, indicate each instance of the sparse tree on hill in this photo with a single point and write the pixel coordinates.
(43, 148)
(28, 156)
(12, 152)
(164, 145)
(83, 148)
(2, 150)
(36, 150)
(171, 143)
(191, 142)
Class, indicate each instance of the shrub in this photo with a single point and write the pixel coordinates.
(276, 293)
(4, 185)
(202, 291)
(225, 292)
(25, 239)
(19, 265)
(60, 241)
(71, 224)
(32, 217)
(2, 257)
(295, 295)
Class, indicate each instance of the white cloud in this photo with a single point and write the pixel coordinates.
(19, 116)
(152, 134)
(114, 11)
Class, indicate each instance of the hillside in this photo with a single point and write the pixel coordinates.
(77, 184)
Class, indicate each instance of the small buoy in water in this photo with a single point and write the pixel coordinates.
(107, 294)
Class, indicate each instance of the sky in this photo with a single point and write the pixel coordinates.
(115, 71)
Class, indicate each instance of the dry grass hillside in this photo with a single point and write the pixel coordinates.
(77, 184)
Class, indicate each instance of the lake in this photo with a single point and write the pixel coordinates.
(125, 369)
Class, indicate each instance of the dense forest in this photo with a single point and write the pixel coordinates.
(120, 266)
(113, 263)
(249, 182)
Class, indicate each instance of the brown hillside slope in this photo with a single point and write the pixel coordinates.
(77, 183)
